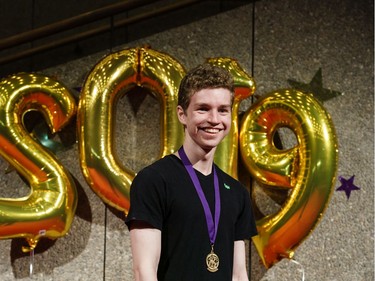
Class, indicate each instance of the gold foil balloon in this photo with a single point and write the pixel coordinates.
(112, 77)
(162, 74)
(308, 169)
(226, 156)
(49, 209)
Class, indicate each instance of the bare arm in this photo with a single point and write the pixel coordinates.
(146, 247)
(239, 262)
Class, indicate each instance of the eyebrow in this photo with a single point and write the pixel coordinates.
(206, 104)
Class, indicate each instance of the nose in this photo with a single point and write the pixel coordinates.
(213, 117)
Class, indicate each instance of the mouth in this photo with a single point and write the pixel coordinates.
(211, 130)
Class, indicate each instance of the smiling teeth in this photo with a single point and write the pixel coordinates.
(211, 130)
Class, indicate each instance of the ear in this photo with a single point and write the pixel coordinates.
(181, 115)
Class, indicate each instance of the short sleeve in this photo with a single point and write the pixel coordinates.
(245, 226)
(146, 193)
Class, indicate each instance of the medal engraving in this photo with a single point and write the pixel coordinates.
(212, 261)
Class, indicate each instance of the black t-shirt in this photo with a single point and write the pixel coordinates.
(164, 196)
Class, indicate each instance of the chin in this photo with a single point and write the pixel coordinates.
(209, 146)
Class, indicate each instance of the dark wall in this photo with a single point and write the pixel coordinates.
(19, 17)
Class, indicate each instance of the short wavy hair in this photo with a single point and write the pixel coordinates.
(204, 76)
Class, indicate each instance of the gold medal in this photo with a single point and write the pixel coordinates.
(212, 261)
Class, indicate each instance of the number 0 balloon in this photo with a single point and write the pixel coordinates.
(111, 78)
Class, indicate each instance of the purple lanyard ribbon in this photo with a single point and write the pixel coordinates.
(211, 224)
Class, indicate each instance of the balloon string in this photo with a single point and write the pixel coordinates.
(301, 268)
(31, 262)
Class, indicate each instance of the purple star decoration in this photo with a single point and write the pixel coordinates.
(347, 186)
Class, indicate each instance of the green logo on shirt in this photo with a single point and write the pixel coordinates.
(226, 186)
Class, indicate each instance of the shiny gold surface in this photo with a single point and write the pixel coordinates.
(49, 209)
(110, 78)
(226, 156)
(308, 169)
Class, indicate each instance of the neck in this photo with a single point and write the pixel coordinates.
(201, 159)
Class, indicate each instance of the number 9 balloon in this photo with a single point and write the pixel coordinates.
(49, 209)
(308, 169)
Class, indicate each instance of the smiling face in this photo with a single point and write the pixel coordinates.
(207, 119)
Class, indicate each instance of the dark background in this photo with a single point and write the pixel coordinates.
(119, 26)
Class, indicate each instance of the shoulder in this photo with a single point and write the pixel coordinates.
(159, 169)
(161, 165)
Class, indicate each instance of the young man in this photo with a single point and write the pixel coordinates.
(188, 219)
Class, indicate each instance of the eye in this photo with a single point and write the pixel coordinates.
(202, 108)
(224, 110)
